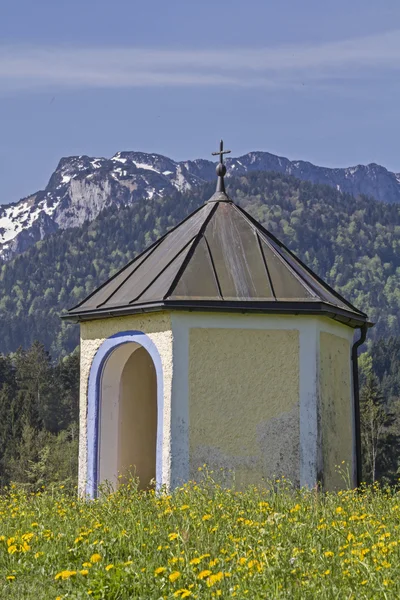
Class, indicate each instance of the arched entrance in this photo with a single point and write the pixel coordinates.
(125, 412)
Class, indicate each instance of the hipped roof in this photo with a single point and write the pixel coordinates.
(217, 259)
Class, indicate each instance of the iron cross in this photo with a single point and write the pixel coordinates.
(221, 152)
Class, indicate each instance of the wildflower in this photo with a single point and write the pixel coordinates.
(204, 574)
(159, 570)
(213, 562)
(10, 577)
(214, 578)
(195, 561)
(328, 553)
(109, 567)
(39, 554)
(87, 564)
(127, 563)
(65, 574)
(174, 576)
(95, 558)
(84, 572)
(206, 517)
(172, 536)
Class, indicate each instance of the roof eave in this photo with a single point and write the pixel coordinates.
(349, 318)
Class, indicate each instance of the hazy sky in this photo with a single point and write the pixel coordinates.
(312, 80)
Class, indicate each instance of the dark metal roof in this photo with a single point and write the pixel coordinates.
(219, 258)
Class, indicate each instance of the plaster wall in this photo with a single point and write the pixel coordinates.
(244, 403)
(157, 326)
(138, 418)
(336, 409)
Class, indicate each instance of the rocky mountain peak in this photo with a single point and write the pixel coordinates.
(82, 186)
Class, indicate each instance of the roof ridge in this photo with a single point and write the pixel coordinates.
(189, 255)
(280, 257)
(151, 247)
(188, 243)
(321, 282)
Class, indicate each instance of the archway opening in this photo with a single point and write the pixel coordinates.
(128, 417)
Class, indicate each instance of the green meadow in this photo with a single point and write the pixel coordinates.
(203, 541)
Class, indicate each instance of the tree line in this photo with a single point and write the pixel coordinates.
(38, 417)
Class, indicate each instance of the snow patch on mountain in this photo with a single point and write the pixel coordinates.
(82, 186)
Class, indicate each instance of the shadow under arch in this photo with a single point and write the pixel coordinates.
(94, 403)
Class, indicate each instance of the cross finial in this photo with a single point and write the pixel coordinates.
(221, 168)
(221, 152)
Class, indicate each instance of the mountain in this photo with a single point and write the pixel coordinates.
(353, 243)
(81, 187)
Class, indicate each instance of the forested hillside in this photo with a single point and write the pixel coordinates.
(352, 243)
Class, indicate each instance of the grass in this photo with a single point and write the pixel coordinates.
(201, 542)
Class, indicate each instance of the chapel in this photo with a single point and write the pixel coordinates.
(218, 346)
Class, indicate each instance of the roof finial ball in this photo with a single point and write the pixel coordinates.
(220, 195)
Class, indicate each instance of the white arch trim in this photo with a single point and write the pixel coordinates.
(94, 398)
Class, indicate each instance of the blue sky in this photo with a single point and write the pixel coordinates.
(312, 80)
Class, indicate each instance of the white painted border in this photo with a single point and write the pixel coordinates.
(93, 403)
(328, 326)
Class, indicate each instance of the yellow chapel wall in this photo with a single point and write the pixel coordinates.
(244, 403)
(93, 333)
(336, 409)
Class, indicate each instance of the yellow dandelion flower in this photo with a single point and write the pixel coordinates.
(206, 518)
(172, 536)
(185, 507)
(10, 577)
(213, 562)
(84, 572)
(182, 593)
(109, 567)
(204, 574)
(65, 574)
(159, 570)
(214, 578)
(195, 561)
(127, 563)
(95, 558)
(339, 510)
(174, 576)
(329, 553)
(327, 572)
(87, 565)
